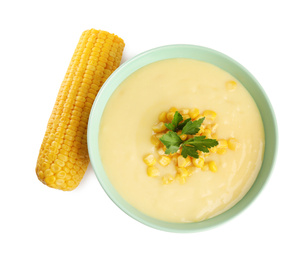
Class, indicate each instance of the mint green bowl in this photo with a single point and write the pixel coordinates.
(198, 53)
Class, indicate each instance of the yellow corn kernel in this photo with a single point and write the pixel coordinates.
(161, 151)
(155, 140)
(222, 143)
(214, 136)
(175, 159)
(182, 172)
(185, 117)
(231, 85)
(152, 171)
(183, 137)
(158, 128)
(212, 166)
(194, 112)
(199, 162)
(201, 154)
(183, 162)
(163, 117)
(48, 172)
(233, 144)
(149, 160)
(173, 109)
(207, 132)
(165, 160)
(190, 170)
(213, 128)
(170, 116)
(188, 161)
(50, 179)
(201, 129)
(213, 149)
(159, 136)
(167, 179)
(199, 117)
(65, 140)
(209, 114)
(184, 111)
(221, 150)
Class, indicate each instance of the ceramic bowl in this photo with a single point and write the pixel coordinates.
(198, 53)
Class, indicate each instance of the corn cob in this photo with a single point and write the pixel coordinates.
(63, 156)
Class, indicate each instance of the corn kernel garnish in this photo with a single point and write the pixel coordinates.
(207, 132)
(183, 137)
(212, 166)
(149, 160)
(158, 128)
(164, 160)
(155, 140)
(213, 149)
(173, 109)
(185, 117)
(209, 114)
(152, 171)
(163, 117)
(199, 162)
(184, 111)
(233, 144)
(161, 151)
(194, 112)
(201, 129)
(231, 85)
(221, 150)
(184, 161)
(214, 136)
(167, 179)
(222, 143)
(182, 172)
(170, 116)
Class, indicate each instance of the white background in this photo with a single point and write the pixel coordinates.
(37, 42)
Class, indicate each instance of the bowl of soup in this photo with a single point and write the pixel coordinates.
(151, 164)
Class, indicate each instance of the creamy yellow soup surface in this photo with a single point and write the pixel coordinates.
(126, 128)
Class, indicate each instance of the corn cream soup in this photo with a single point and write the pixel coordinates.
(126, 130)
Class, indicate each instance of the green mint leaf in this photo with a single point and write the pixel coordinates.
(180, 126)
(176, 120)
(192, 127)
(189, 151)
(171, 139)
(172, 149)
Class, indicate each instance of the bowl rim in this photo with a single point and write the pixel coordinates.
(150, 56)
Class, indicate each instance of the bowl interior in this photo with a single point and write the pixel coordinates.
(198, 53)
